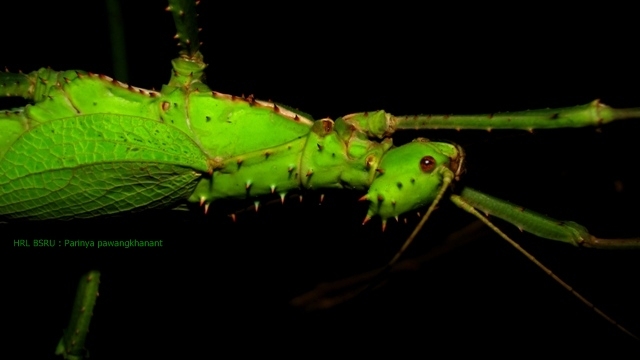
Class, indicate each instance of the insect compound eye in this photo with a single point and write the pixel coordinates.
(427, 164)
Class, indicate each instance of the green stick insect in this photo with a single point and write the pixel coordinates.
(353, 82)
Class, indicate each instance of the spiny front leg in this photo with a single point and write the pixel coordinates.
(381, 124)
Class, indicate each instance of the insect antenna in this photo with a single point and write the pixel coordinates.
(460, 202)
(319, 297)
(446, 183)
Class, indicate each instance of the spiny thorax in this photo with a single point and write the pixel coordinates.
(257, 147)
(331, 155)
(340, 156)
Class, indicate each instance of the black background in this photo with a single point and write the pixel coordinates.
(217, 286)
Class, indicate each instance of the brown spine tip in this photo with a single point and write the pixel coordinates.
(267, 154)
(319, 147)
(296, 118)
(309, 172)
(233, 217)
(276, 109)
